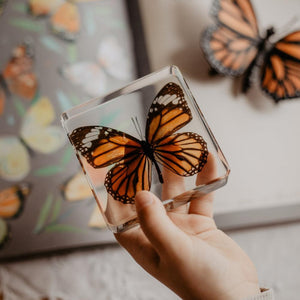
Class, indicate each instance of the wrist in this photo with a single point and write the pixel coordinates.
(244, 291)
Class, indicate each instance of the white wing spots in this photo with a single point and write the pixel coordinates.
(87, 145)
(166, 99)
(91, 136)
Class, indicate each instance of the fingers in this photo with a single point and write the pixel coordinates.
(203, 205)
(139, 247)
(162, 233)
(173, 186)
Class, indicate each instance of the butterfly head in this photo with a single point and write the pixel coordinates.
(270, 31)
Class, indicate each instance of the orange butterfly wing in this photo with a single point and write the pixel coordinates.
(168, 113)
(102, 147)
(12, 200)
(231, 45)
(281, 71)
(128, 177)
(183, 153)
(65, 21)
(18, 74)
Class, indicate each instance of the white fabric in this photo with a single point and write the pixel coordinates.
(265, 295)
(108, 274)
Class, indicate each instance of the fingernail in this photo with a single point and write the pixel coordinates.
(143, 199)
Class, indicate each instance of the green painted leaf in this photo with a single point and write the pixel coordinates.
(44, 213)
(48, 171)
(51, 43)
(67, 156)
(26, 24)
(20, 7)
(35, 98)
(64, 228)
(19, 107)
(56, 210)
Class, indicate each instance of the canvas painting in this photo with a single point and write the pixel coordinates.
(54, 55)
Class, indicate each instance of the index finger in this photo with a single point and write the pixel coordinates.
(203, 205)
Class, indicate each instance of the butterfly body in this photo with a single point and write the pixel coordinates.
(261, 48)
(149, 151)
(183, 153)
(233, 47)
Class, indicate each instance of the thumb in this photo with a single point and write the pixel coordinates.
(163, 234)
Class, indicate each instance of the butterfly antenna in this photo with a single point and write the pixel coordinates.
(137, 126)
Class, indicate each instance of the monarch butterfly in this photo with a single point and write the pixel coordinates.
(185, 153)
(233, 47)
(18, 76)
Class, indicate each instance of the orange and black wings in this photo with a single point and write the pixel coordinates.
(128, 177)
(12, 200)
(183, 153)
(231, 45)
(104, 146)
(168, 113)
(19, 75)
(281, 72)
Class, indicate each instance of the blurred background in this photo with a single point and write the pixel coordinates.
(59, 54)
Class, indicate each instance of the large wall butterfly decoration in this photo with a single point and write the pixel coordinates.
(183, 153)
(233, 46)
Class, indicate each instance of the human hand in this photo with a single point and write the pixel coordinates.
(184, 249)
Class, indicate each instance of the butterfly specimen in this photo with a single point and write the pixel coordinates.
(18, 76)
(111, 59)
(36, 134)
(11, 204)
(234, 47)
(184, 153)
(64, 20)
